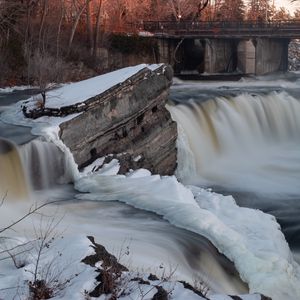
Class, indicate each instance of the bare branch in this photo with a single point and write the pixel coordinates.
(31, 211)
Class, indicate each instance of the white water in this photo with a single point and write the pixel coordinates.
(153, 242)
(43, 162)
(247, 143)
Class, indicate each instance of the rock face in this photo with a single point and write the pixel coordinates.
(129, 120)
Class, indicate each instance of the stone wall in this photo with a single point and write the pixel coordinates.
(129, 120)
(271, 55)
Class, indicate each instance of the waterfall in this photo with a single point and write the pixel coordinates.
(44, 163)
(248, 142)
(13, 183)
(34, 165)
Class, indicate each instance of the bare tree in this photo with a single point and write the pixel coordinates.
(187, 10)
(76, 21)
(201, 5)
(46, 70)
(97, 28)
(42, 21)
(89, 25)
(62, 14)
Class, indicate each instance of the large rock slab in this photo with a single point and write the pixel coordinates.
(130, 119)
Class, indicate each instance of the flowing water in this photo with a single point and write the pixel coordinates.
(243, 139)
(153, 241)
(13, 183)
(31, 165)
(239, 138)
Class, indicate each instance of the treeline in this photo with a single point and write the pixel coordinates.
(251, 10)
(49, 36)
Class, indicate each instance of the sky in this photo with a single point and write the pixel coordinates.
(288, 5)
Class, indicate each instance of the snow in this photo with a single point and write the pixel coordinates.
(80, 91)
(57, 263)
(112, 168)
(11, 89)
(68, 94)
(81, 277)
(137, 158)
(145, 33)
(94, 165)
(250, 238)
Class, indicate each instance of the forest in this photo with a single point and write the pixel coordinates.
(54, 37)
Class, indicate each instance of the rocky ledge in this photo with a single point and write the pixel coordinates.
(128, 120)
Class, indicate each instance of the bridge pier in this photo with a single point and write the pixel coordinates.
(220, 55)
(166, 50)
(271, 55)
(246, 57)
(216, 55)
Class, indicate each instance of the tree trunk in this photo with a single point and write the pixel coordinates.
(89, 25)
(43, 99)
(74, 27)
(97, 30)
(59, 27)
(42, 21)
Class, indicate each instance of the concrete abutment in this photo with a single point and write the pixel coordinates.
(271, 55)
(249, 56)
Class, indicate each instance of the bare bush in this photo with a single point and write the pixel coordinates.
(48, 271)
(45, 267)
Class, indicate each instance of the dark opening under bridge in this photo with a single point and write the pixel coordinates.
(214, 47)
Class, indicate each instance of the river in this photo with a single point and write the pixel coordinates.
(251, 130)
(235, 138)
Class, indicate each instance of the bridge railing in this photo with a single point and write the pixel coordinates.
(218, 27)
(165, 25)
(289, 29)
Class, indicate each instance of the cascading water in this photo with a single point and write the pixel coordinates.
(13, 183)
(36, 164)
(247, 142)
(44, 163)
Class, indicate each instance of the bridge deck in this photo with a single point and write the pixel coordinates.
(185, 29)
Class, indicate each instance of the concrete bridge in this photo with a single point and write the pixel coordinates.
(216, 47)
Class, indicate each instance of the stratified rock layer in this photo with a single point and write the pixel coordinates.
(130, 119)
